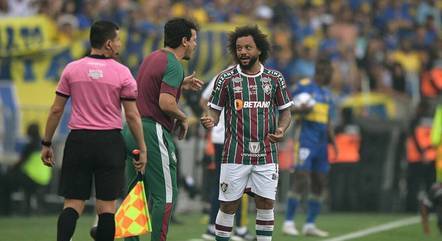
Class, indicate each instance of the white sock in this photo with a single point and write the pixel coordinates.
(264, 224)
(224, 224)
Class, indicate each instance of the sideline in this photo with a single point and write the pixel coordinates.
(377, 229)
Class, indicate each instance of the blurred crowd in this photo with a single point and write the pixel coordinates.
(383, 38)
(376, 45)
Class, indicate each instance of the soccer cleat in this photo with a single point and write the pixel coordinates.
(243, 237)
(312, 230)
(209, 235)
(290, 229)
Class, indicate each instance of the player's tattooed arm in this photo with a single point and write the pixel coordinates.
(285, 118)
(283, 123)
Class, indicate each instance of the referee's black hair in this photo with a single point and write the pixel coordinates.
(259, 37)
(176, 29)
(101, 31)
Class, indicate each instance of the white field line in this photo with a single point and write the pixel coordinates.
(376, 229)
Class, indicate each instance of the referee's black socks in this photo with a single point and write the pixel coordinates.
(106, 227)
(66, 224)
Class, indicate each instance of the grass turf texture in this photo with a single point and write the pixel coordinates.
(43, 228)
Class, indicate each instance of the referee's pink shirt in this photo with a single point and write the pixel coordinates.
(96, 86)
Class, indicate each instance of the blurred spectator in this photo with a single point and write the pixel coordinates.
(282, 12)
(22, 8)
(219, 10)
(329, 44)
(421, 156)
(346, 78)
(28, 174)
(4, 8)
(67, 27)
(88, 14)
(398, 82)
(428, 8)
(282, 60)
(50, 8)
(304, 65)
(193, 9)
(343, 29)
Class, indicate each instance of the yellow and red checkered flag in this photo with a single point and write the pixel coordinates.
(132, 217)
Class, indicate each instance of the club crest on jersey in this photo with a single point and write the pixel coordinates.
(266, 85)
(267, 89)
(224, 186)
(254, 147)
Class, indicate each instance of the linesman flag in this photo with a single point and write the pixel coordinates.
(132, 217)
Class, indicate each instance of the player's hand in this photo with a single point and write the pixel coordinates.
(302, 109)
(181, 128)
(207, 121)
(277, 136)
(192, 83)
(47, 156)
(140, 164)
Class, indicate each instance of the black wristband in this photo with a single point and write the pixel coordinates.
(46, 143)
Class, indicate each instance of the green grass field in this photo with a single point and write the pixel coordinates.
(44, 228)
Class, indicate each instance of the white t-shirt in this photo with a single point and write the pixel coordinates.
(218, 132)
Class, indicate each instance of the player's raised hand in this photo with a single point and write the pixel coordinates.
(192, 83)
(47, 156)
(207, 121)
(277, 136)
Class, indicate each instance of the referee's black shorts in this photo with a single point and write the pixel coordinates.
(98, 154)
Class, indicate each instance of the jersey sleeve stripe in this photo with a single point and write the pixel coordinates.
(216, 107)
(282, 107)
(62, 94)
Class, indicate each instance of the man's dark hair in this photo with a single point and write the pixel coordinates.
(323, 69)
(259, 38)
(101, 31)
(323, 65)
(176, 29)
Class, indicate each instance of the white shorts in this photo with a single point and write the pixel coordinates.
(261, 180)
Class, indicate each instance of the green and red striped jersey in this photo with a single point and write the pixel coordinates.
(250, 103)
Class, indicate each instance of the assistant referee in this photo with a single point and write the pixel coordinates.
(98, 86)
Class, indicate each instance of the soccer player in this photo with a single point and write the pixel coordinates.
(313, 123)
(217, 135)
(160, 81)
(249, 94)
(94, 148)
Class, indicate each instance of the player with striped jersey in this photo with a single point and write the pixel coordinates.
(249, 94)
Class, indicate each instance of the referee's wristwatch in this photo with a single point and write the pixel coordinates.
(46, 143)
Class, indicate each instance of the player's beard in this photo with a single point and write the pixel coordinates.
(248, 66)
(187, 54)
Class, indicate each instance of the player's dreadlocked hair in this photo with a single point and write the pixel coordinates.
(259, 38)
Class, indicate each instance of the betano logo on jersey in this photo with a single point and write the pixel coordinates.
(240, 104)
